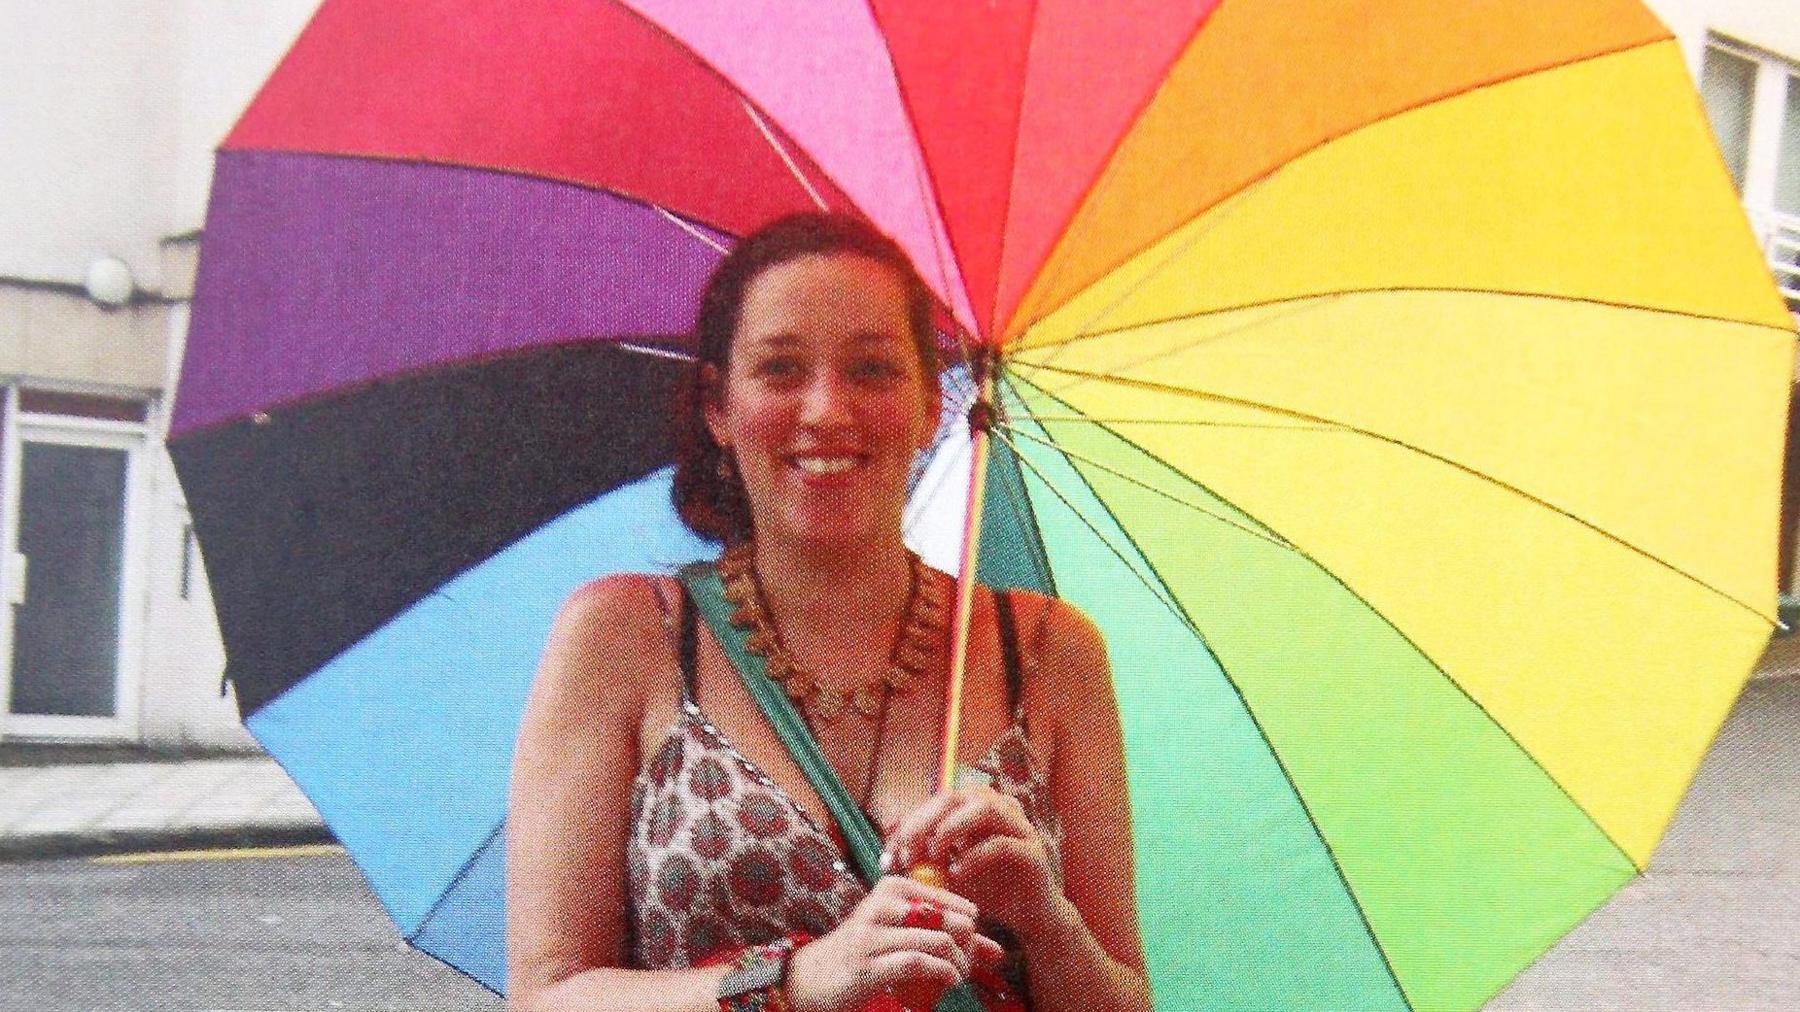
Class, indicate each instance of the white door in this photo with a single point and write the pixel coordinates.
(70, 571)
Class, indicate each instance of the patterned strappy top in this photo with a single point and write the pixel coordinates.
(720, 856)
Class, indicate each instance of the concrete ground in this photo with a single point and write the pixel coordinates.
(132, 800)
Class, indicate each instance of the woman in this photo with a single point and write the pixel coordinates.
(661, 831)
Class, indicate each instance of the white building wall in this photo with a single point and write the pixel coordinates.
(121, 103)
(109, 114)
(91, 85)
(226, 49)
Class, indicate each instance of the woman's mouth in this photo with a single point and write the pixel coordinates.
(825, 464)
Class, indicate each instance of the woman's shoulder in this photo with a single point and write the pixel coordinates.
(1045, 621)
(608, 628)
(621, 603)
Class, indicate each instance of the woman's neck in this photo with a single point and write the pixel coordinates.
(816, 592)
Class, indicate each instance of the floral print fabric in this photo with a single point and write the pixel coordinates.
(721, 857)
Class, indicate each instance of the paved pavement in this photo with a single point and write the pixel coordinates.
(59, 809)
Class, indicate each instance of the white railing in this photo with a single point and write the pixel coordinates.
(1781, 245)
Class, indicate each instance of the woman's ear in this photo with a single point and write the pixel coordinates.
(712, 401)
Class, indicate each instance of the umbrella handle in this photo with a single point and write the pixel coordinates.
(924, 996)
(921, 996)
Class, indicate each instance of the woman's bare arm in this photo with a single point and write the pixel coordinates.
(568, 814)
(1087, 956)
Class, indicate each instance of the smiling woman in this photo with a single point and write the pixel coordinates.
(692, 801)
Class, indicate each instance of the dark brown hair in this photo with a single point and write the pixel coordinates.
(716, 507)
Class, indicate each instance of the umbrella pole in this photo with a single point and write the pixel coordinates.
(981, 415)
(980, 424)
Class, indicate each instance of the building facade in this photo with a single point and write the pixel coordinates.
(109, 632)
(111, 110)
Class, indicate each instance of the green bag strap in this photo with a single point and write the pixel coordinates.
(864, 840)
(708, 593)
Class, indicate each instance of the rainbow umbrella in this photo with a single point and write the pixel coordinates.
(1394, 382)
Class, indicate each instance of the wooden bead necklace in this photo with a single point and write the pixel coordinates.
(915, 643)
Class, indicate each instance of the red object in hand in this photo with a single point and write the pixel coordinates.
(915, 997)
(923, 914)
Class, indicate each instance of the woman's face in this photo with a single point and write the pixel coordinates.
(825, 401)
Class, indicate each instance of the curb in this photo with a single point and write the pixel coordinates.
(62, 846)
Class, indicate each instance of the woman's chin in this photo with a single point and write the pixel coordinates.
(832, 531)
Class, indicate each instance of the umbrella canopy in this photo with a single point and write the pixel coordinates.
(1396, 384)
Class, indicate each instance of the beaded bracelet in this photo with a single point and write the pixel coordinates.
(758, 978)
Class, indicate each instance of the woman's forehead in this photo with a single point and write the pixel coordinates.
(826, 338)
(852, 291)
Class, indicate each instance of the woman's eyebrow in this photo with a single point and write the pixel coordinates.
(876, 337)
(779, 339)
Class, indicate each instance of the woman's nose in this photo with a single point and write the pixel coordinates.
(827, 400)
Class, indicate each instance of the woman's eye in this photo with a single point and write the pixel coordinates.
(876, 369)
(780, 368)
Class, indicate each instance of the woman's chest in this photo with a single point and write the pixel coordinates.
(719, 854)
(887, 761)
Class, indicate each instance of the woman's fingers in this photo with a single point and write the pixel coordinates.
(902, 850)
(910, 965)
(925, 940)
(970, 823)
(951, 820)
(984, 951)
(889, 900)
(981, 949)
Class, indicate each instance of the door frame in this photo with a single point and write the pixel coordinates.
(22, 427)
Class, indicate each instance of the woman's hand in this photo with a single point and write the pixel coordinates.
(990, 851)
(873, 951)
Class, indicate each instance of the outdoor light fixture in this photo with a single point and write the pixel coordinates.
(109, 282)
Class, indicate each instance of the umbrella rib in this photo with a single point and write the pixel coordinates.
(1172, 497)
(1408, 640)
(1083, 334)
(679, 222)
(937, 251)
(1298, 308)
(1226, 210)
(787, 159)
(958, 391)
(928, 185)
(1166, 596)
(1012, 165)
(1155, 587)
(1404, 445)
(925, 494)
(1066, 221)
(1026, 517)
(1191, 422)
(652, 350)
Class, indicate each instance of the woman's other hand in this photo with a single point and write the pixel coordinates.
(989, 850)
(873, 951)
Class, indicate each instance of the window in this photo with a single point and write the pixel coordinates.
(1728, 85)
(1753, 102)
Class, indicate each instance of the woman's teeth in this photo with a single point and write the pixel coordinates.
(824, 465)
